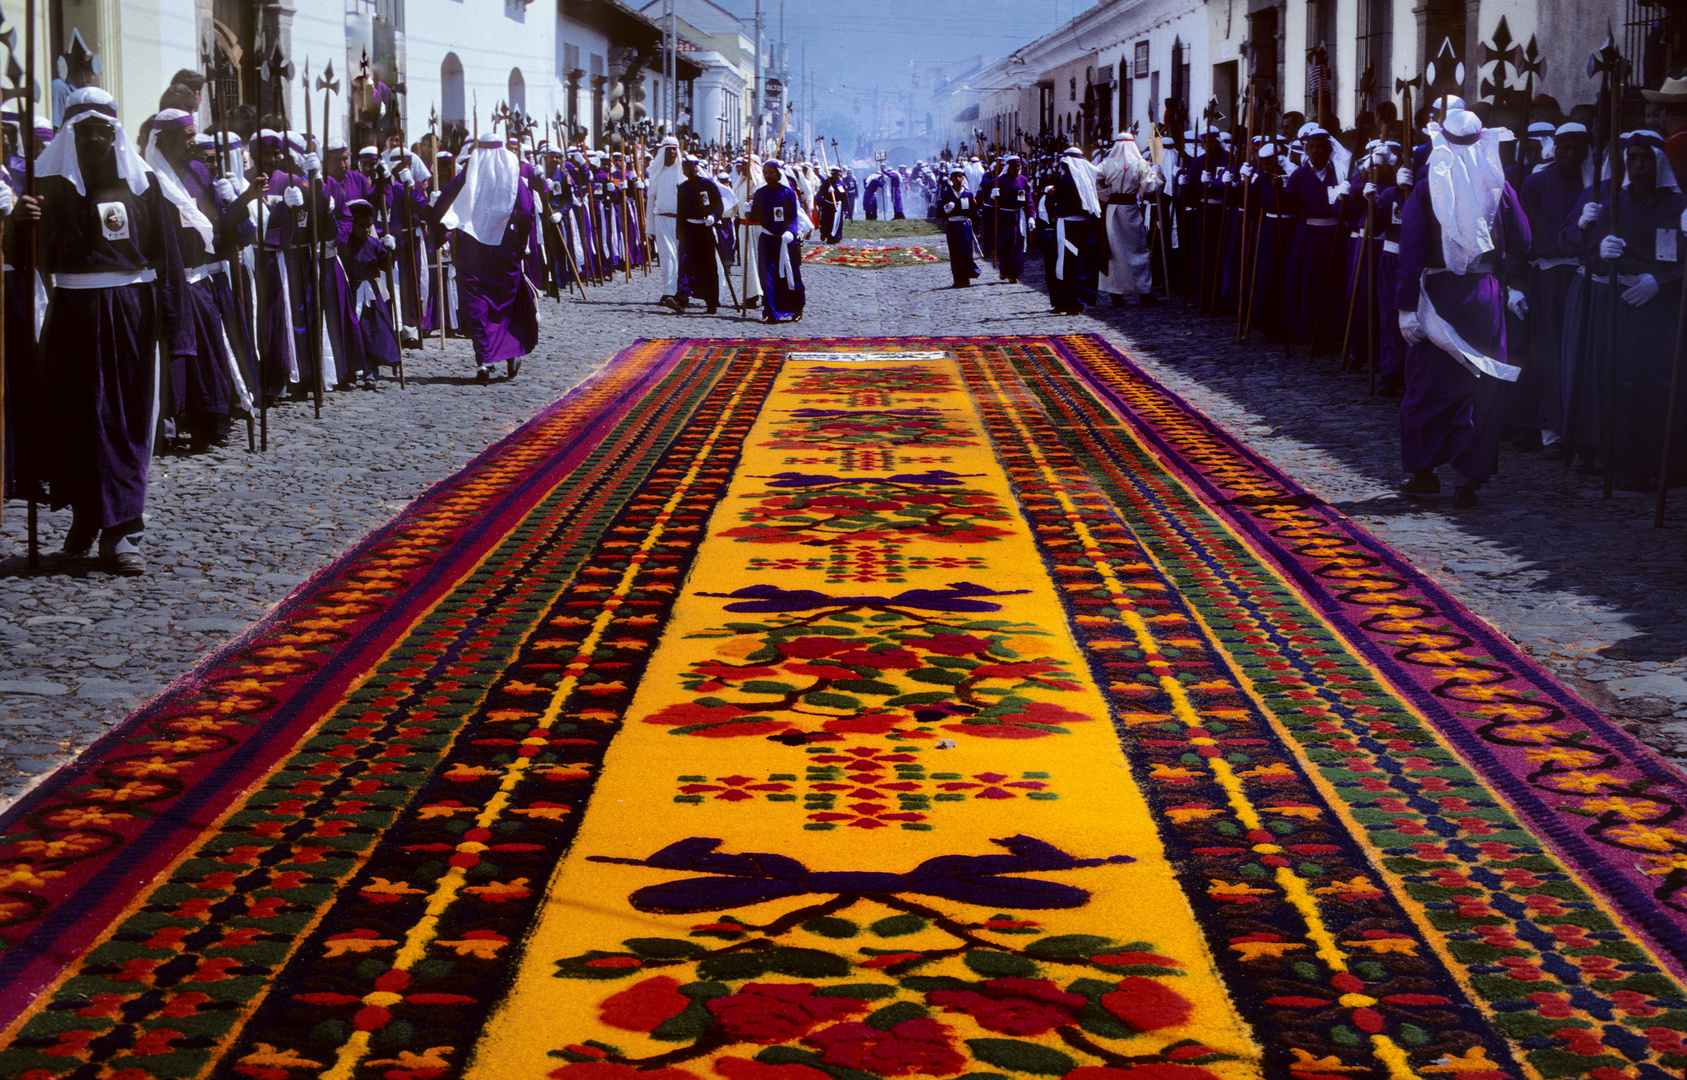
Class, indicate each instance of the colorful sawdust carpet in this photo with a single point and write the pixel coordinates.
(871, 258)
(954, 708)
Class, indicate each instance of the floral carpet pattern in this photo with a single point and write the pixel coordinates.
(963, 708)
(871, 258)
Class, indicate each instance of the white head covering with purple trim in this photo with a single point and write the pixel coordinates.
(60, 159)
(170, 184)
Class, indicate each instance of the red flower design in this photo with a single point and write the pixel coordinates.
(1147, 1005)
(644, 1005)
(682, 714)
(769, 1013)
(920, 1045)
(1013, 1006)
(887, 658)
(745, 1069)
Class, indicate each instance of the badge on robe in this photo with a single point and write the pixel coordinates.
(1664, 249)
(114, 220)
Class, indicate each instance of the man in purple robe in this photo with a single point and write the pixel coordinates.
(1549, 197)
(366, 259)
(1074, 213)
(1630, 342)
(829, 201)
(774, 207)
(1316, 194)
(959, 209)
(210, 385)
(1463, 240)
(1011, 197)
(106, 238)
(490, 211)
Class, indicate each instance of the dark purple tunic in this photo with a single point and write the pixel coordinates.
(99, 343)
(1448, 414)
(495, 300)
(1548, 196)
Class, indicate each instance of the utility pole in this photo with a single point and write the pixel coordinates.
(670, 65)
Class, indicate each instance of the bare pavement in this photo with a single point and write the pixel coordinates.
(1585, 585)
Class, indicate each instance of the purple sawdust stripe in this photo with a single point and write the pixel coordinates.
(75, 921)
(1630, 892)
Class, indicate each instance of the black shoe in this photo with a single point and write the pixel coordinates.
(1147, 299)
(768, 320)
(512, 367)
(1527, 442)
(483, 375)
(1013, 281)
(1553, 451)
(710, 310)
(127, 564)
(1464, 496)
(1423, 482)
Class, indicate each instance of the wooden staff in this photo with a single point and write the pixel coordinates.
(1614, 290)
(1358, 278)
(215, 71)
(1674, 399)
(316, 314)
(1242, 255)
(26, 128)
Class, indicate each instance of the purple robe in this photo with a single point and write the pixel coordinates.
(366, 264)
(495, 301)
(100, 345)
(200, 387)
(1625, 358)
(1549, 196)
(1012, 199)
(1317, 260)
(1448, 414)
(1391, 365)
(774, 208)
(960, 210)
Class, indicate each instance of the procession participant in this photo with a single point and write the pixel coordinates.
(959, 208)
(1391, 198)
(870, 194)
(699, 208)
(1268, 238)
(894, 179)
(1644, 250)
(852, 193)
(1314, 194)
(120, 306)
(1463, 241)
(830, 202)
(287, 367)
(662, 211)
(366, 259)
(778, 247)
(490, 213)
(1549, 197)
(207, 386)
(1075, 210)
(1127, 179)
(1012, 197)
(1205, 196)
(744, 186)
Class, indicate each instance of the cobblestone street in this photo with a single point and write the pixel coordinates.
(1587, 586)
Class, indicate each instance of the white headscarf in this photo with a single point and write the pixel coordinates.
(1573, 128)
(1466, 181)
(171, 185)
(1122, 169)
(1654, 142)
(486, 200)
(662, 194)
(1083, 178)
(59, 159)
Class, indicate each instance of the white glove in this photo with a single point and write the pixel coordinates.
(293, 197)
(1519, 305)
(1611, 248)
(1410, 328)
(1370, 190)
(313, 164)
(1247, 172)
(1343, 188)
(1206, 177)
(225, 191)
(404, 177)
(1590, 214)
(381, 170)
(1642, 291)
(389, 242)
(710, 220)
(1403, 177)
(8, 199)
(556, 218)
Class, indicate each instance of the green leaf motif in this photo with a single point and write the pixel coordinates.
(832, 928)
(1069, 946)
(806, 963)
(656, 948)
(823, 700)
(767, 686)
(937, 675)
(888, 1017)
(898, 925)
(688, 1026)
(867, 686)
(998, 965)
(864, 991)
(1025, 1057)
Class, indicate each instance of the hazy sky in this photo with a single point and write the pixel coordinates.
(853, 44)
